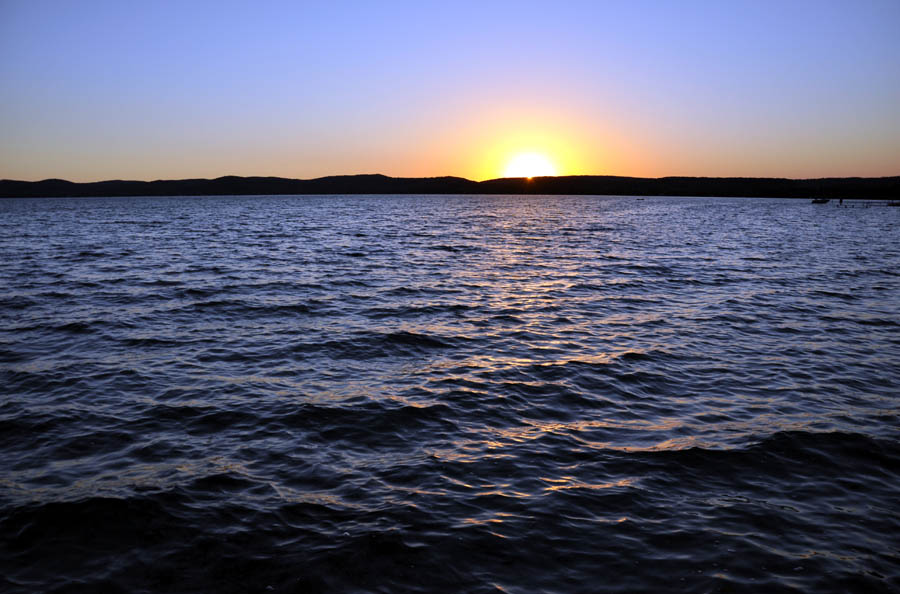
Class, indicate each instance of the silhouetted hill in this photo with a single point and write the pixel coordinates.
(848, 187)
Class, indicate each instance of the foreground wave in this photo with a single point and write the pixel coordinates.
(445, 394)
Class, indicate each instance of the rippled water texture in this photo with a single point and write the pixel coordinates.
(448, 394)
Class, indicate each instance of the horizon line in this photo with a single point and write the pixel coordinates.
(457, 177)
(376, 183)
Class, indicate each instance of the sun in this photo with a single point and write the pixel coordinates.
(529, 165)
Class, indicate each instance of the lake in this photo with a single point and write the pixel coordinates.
(449, 394)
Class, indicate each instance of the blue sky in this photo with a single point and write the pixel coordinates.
(101, 90)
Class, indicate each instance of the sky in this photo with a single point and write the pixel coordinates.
(93, 90)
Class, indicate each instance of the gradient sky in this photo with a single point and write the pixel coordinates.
(94, 90)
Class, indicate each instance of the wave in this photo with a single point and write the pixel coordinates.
(505, 394)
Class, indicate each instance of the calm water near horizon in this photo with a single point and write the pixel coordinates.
(449, 394)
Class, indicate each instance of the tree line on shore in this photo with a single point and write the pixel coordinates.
(887, 188)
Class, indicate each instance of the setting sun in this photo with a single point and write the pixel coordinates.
(529, 165)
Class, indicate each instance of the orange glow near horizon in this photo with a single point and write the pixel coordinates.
(530, 164)
(525, 141)
(525, 154)
(532, 152)
(478, 139)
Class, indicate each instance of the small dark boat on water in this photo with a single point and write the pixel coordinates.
(821, 201)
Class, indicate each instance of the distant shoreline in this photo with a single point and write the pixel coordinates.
(870, 188)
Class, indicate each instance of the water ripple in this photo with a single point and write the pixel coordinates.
(446, 394)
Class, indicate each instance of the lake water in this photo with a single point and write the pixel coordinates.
(448, 394)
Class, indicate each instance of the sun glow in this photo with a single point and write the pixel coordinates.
(509, 140)
(529, 165)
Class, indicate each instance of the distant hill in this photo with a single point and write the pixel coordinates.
(834, 187)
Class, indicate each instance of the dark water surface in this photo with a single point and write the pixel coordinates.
(448, 394)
